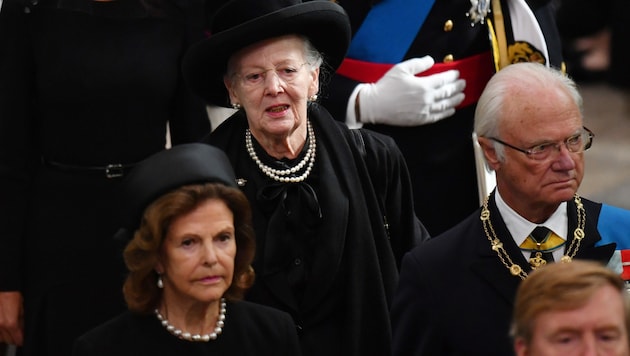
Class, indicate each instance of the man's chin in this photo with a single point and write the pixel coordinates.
(562, 195)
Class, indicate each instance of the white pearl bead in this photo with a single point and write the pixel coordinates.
(278, 175)
(196, 337)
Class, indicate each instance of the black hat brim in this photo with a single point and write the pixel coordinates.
(165, 171)
(324, 23)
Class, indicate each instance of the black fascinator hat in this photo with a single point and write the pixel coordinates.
(166, 171)
(240, 23)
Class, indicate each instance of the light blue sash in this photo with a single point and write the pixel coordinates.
(388, 30)
(614, 226)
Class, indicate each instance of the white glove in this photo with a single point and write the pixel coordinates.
(400, 98)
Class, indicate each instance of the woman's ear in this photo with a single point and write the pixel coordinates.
(229, 85)
(314, 87)
(159, 267)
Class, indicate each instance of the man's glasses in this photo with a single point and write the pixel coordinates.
(577, 143)
(286, 73)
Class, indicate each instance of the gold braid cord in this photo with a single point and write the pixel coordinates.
(516, 270)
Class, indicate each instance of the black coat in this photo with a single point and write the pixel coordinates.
(250, 330)
(455, 297)
(440, 155)
(351, 256)
(82, 89)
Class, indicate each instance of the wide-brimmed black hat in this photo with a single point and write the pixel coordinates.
(240, 23)
(166, 171)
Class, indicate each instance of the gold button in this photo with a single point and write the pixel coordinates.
(448, 58)
(448, 26)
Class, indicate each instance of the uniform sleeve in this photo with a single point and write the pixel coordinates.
(18, 150)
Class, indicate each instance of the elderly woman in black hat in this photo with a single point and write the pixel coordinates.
(190, 263)
(332, 207)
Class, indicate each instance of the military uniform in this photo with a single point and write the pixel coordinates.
(440, 156)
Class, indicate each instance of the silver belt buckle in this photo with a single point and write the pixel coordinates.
(114, 171)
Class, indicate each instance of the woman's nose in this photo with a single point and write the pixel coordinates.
(273, 83)
(209, 255)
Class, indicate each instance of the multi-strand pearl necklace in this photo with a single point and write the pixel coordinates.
(195, 337)
(285, 175)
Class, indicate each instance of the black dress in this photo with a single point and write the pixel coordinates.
(80, 89)
(328, 248)
(250, 330)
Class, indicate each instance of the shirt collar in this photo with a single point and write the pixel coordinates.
(519, 227)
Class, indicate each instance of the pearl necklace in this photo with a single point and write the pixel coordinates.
(195, 337)
(516, 270)
(283, 175)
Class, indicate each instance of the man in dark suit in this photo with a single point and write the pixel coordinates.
(456, 291)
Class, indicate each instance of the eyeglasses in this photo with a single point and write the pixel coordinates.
(287, 73)
(577, 143)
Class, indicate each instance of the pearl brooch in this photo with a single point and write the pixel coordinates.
(283, 175)
(195, 337)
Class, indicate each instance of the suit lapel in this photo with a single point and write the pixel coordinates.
(587, 249)
(489, 266)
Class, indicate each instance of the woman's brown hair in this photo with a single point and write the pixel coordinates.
(141, 254)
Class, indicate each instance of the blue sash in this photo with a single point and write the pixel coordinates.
(388, 30)
(614, 226)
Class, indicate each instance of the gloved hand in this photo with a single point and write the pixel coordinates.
(400, 98)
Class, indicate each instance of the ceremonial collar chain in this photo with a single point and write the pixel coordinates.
(196, 337)
(516, 270)
(286, 175)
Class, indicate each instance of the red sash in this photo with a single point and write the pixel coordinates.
(625, 260)
(476, 70)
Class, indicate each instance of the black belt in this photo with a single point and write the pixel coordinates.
(114, 170)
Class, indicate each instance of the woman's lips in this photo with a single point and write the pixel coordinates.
(277, 109)
(209, 279)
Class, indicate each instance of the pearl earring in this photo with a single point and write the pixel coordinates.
(236, 106)
(313, 97)
(160, 284)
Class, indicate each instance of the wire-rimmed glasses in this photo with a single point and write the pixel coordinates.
(577, 143)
